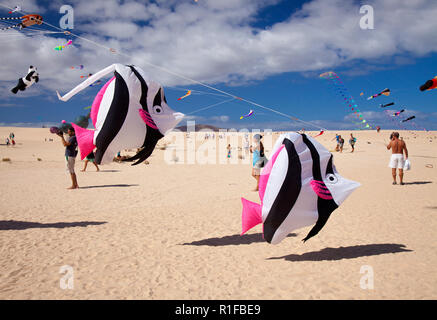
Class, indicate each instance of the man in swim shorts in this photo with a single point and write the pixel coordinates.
(397, 161)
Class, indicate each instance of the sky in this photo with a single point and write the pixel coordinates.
(269, 52)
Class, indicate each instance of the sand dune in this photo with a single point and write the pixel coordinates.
(171, 231)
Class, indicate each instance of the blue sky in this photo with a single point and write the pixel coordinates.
(269, 52)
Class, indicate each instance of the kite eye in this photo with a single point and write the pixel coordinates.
(157, 109)
(331, 178)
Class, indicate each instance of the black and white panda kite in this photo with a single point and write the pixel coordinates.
(27, 81)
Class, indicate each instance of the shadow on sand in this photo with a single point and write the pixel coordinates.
(233, 240)
(351, 252)
(417, 182)
(110, 186)
(22, 225)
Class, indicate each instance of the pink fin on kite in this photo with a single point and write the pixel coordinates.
(251, 215)
(85, 140)
(147, 118)
(97, 100)
(321, 190)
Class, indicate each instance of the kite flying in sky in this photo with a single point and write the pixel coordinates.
(26, 21)
(408, 119)
(247, 115)
(59, 48)
(429, 85)
(130, 111)
(298, 187)
(16, 9)
(387, 105)
(347, 98)
(385, 92)
(398, 113)
(186, 95)
(320, 133)
(27, 81)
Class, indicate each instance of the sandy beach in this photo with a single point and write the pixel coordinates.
(167, 230)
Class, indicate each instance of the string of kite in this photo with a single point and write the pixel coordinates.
(341, 89)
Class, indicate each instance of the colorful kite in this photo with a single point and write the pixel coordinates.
(429, 85)
(27, 81)
(128, 112)
(398, 113)
(16, 9)
(80, 67)
(347, 98)
(89, 75)
(26, 21)
(387, 105)
(320, 133)
(59, 48)
(186, 95)
(247, 115)
(298, 187)
(385, 92)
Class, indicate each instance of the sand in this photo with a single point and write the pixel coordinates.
(171, 230)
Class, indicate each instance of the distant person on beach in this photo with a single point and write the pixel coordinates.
(337, 138)
(12, 137)
(397, 161)
(90, 158)
(340, 143)
(378, 128)
(229, 150)
(352, 141)
(7, 142)
(70, 155)
(259, 159)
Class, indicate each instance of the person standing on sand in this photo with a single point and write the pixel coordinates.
(352, 141)
(341, 143)
(90, 158)
(337, 137)
(398, 147)
(259, 159)
(70, 155)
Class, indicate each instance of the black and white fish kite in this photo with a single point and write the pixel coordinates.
(130, 111)
(25, 82)
(298, 187)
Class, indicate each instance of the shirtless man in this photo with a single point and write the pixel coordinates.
(397, 158)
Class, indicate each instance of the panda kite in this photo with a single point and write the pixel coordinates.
(27, 81)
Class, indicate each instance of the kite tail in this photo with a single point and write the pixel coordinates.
(85, 139)
(251, 216)
(10, 27)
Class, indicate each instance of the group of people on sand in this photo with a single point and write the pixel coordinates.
(259, 160)
(340, 142)
(10, 140)
(70, 156)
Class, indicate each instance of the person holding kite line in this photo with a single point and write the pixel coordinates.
(259, 159)
(398, 147)
(70, 154)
